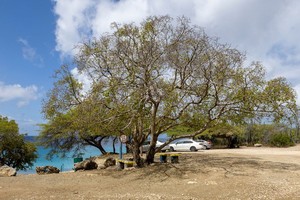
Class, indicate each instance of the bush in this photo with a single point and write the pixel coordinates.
(14, 150)
(281, 140)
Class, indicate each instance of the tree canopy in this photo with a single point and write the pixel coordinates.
(14, 151)
(150, 78)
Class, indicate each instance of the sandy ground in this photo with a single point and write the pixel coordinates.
(245, 173)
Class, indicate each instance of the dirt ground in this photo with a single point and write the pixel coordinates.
(244, 173)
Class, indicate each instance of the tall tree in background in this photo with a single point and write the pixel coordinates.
(153, 77)
(14, 151)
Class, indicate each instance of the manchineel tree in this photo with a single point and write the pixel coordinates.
(14, 151)
(150, 78)
(74, 120)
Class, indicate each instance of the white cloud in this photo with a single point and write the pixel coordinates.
(79, 20)
(268, 31)
(297, 89)
(73, 23)
(23, 95)
(29, 53)
(83, 79)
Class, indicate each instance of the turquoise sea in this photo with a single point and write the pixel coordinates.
(67, 163)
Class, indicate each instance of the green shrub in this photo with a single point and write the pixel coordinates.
(281, 140)
(14, 150)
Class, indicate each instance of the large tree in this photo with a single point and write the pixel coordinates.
(163, 73)
(14, 151)
(75, 119)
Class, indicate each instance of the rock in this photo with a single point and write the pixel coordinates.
(78, 166)
(103, 162)
(101, 166)
(100, 162)
(46, 170)
(109, 162)
(113, 168)
(95, 163)
(86, 165)
(90, 165)
(7, 171)
(257, 145)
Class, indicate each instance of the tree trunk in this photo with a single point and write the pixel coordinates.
(136, 155)
(128, 148)
(114, 144)
(96, 144)
(101, 149)
(151, 152)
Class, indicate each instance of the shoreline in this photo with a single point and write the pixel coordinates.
(245, 173)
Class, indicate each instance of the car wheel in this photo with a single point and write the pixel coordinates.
(172, 149)
(205, 147)
(193, 149)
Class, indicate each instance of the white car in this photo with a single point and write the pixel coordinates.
(186, 145)
(206, 144)
(146, 145)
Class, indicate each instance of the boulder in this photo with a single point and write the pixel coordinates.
(7, 171)
(95, 163)
(257, 145)
(100, 162)
(85, 165)
(109, 162)
(46, 170)
(103, 162)
(90, 165)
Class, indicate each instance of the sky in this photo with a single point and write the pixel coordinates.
(38, 36)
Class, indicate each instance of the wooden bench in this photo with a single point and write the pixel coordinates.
(125, 163)
(174, 157)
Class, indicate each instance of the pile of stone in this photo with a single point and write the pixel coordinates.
(46, 170)
(95, 163)
(7, 171)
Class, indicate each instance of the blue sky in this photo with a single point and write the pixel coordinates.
(37, 36)
(27, 59)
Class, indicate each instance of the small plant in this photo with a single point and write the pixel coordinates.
(281, 140)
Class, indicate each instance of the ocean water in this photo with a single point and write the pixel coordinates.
(67, 163)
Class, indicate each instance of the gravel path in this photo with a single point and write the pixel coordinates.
(244, 173)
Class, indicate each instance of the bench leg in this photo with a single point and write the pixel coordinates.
(121, 165)
(163, 158)
(174, 159)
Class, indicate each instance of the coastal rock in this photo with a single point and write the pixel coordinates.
(104, 162)
(113, 168)
(7, 171)
(85, 165)
(90, 165)
(95, 163)
(109, 162)
(46, 170)
(100, 162)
